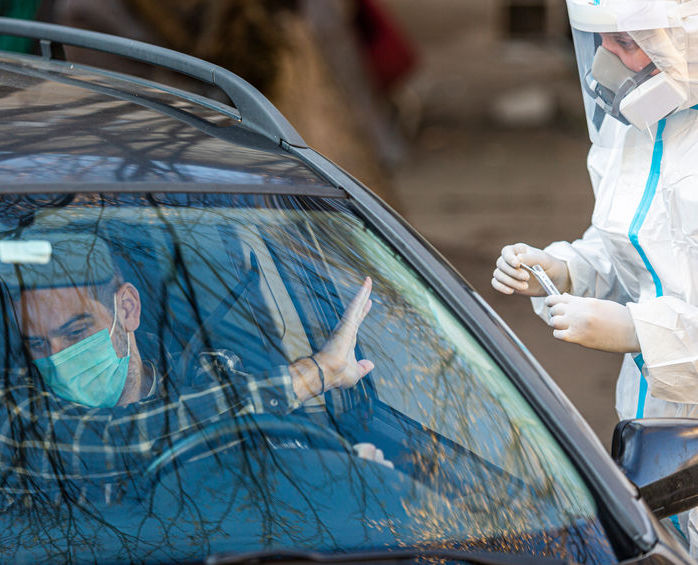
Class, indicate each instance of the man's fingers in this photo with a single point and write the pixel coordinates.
(365, 450)
(370, 452)
(354, 313)
(360, 297)
(367, 308)
(365, 367)
(353, 322)
(357, 304)
(365, 291)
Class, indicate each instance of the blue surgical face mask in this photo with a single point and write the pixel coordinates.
(88, 372)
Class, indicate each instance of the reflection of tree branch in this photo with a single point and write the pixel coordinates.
(473, 474)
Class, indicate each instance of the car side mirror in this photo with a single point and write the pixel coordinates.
(660, 456)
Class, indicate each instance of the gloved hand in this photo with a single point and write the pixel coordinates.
(510, 278)
(594, 323)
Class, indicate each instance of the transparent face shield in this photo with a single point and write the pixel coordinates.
(622, 88)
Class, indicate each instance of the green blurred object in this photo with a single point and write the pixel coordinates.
(24, 10)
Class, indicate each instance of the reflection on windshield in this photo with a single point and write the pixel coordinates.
(159, 402)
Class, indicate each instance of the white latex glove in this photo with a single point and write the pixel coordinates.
(370, 452)
(510, 278)
(594, 323)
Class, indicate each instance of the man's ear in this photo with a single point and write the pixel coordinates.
(128, 303)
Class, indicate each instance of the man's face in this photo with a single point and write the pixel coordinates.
(624, 47)
(55, 318)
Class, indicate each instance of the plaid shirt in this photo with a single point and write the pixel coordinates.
(45, 440)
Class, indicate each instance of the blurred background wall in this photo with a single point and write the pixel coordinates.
(497, 154)
(464, 115)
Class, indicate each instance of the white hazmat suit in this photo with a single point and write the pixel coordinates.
(642, 246)
(642, 249)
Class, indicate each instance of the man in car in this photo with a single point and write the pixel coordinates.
(78, 318)
(80, 333)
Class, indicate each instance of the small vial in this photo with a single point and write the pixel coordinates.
(544, 280)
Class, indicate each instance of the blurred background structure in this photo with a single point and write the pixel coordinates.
(464, 115)
(497, 155)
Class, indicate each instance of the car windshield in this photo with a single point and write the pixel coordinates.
(149, 406)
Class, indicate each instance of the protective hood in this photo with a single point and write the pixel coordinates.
(616, 96)
(675, 52)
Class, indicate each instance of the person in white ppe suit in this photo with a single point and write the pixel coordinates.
(630, 284)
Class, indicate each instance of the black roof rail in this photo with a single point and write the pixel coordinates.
(256, 112)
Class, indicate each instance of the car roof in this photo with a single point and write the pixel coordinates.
(65, 126)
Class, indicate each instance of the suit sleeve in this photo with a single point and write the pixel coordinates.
(667, 329)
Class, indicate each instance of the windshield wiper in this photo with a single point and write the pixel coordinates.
(299, 556)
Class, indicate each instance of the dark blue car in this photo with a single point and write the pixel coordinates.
(212, 250)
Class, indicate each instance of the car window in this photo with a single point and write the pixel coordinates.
(213, 452)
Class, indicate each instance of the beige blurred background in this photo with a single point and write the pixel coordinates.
(499, 156)
(479, 140)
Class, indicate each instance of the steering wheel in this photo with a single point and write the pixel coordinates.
(276, 432)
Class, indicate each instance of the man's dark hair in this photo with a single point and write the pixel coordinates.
(104, 293)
